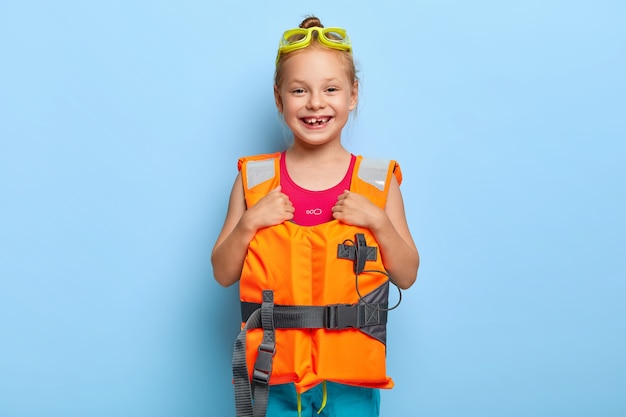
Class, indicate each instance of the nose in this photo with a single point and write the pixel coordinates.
(316, 101)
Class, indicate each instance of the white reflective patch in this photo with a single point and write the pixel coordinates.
(259, 171)
(374, 171)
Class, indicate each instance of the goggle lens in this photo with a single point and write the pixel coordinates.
(334, 36)
(295, 38)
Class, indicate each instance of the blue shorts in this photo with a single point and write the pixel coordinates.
(341, 401)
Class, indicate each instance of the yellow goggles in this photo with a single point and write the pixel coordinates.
(299, 38)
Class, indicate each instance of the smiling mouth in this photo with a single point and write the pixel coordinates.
(316, 121)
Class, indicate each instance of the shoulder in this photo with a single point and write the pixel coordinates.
(260, 157)
(377, 168)
(259, 174)
(374, 178)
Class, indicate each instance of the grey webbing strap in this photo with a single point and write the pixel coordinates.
(267, 349)
(349, 252)
(243, 390)
(244, 405)
(332, 317)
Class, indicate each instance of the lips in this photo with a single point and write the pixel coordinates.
(316, 121)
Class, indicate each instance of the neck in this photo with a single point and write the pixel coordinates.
(317, 154)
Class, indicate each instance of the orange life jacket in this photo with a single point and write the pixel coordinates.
(332, 269)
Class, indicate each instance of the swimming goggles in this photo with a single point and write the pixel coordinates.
(299, 38)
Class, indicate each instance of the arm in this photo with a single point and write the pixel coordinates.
(240, 226)
(390, 228)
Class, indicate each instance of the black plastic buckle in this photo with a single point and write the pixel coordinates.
(361, 253)
(263, 363)
(341, 316)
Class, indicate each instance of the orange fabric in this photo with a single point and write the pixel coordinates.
(300, 264)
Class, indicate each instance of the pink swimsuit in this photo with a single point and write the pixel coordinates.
(312, 207)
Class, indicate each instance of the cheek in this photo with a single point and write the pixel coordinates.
(291, 105)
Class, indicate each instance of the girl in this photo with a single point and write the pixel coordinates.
(313, 235)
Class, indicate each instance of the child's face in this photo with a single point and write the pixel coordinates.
(316, 95)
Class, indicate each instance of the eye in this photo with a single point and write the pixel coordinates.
(332, 89)
(297, 91)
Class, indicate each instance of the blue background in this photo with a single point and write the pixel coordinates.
(120, 126)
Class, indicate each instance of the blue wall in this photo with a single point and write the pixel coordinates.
(120, 126)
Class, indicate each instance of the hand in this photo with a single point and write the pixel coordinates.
(356, 210)
(274, 208)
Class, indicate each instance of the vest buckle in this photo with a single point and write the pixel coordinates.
(341, 316)
(263, 363)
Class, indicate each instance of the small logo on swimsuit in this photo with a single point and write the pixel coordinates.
(315, 212)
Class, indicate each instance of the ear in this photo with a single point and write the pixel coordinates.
(354, 95)
(278, 99)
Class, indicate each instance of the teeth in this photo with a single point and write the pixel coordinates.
(314, 121)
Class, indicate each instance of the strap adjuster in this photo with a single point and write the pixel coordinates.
(263, 363)
(341, 316)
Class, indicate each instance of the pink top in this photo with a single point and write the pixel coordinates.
(313, 207)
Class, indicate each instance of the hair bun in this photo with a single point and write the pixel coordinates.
(311, 22)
